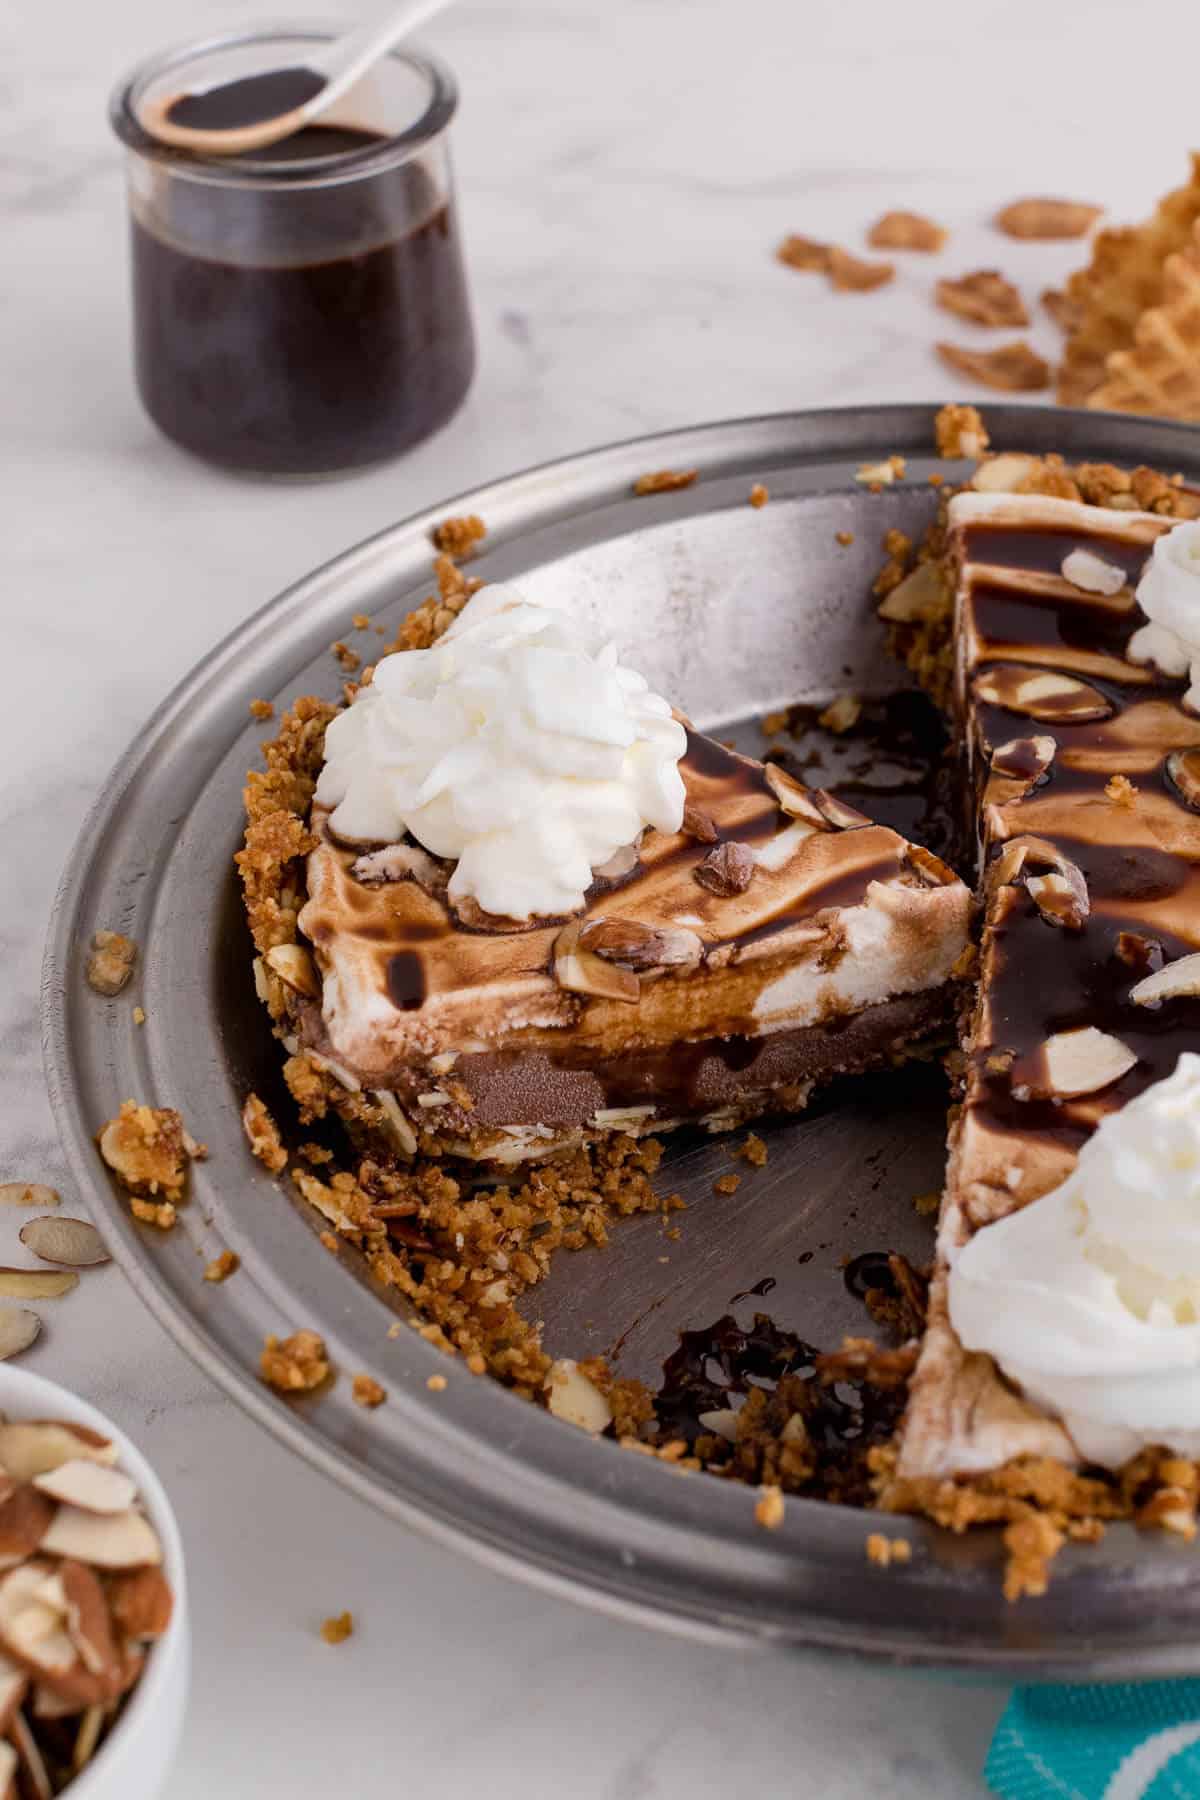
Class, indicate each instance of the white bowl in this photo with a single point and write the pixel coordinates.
(136, 1758)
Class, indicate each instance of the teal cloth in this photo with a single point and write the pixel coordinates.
(1139, 1741)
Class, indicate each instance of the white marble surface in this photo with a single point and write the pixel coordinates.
(626, 166)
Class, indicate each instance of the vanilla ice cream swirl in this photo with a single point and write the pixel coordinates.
(517, 746)
(1169, 595)
(1089, 1298)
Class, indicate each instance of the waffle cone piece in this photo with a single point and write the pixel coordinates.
(1126, 278)
(1160, 373)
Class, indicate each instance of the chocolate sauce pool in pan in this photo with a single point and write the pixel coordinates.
(302, 328)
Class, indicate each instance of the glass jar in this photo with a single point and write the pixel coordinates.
(301, 309)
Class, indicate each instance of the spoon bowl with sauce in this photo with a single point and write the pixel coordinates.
(231, 118)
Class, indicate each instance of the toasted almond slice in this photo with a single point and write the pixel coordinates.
(25, 1518)
(31, 1194)
(107, 1540)
(30, 1447)
(88, 1737)
(795, 799)
(1024, 759)
(582, 972)
(1061, 898)
(89, 1486)
(49, 1703)
(32, 1760)
(89, 1625)
(1084, 1061)
(1004, 474)
(573, 1396)
(921, 596)
(1041, 694)
(1183, 772)
(18, 1329)
(36, 1284)
(295, 968)
(840, 815)
(35, 1637)
(1084, 569)
(141, 1602)
(9, 1763)
(14, 1685)
(74, 1242)
(722, 1422)
(1174, 981)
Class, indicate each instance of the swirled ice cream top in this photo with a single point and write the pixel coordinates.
(518, 746)
(1089, 1298)
(1169, 595)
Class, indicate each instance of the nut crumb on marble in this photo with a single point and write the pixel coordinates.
(1047, 219)
(984, 297)
(294, 1364)
(111, 961)
(1014, 368)
(458, 537)
(223, 1266)
(263, 1135)
(337, 1629)
(906, 231)
(367, 1392)
(665, 481)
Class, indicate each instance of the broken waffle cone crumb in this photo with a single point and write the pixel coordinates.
(263, 1135)
(959, 433)
(294, 1364)
(768, 1511)
(1012, 369)
(664, 481)
(1047, 219)
(223, 1266)
(337, 1629)
(111, 961)
(1160, 372)
(852, 275)
(1125, 278)
(759, 495)
(457, 537)
(984, 297)
(805, 254)
(906, 231)
(367, 1392)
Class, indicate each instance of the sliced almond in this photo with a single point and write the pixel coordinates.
(573, 1396)
(36, 1284)
(931, 869)
(1059, 899)
(1033, 861)
(921, 596)
(401, 862)
(721, 1422)
(18, 1329)
(141, 1602)
(581, 971)
(89, 1625)
(49, 1703)
(88, 1737)
(838, 813)
(75, 1242)
(1006, 473)
(796, 800)
(1024, 759)
(107, 1540)
(1084, 1061)
(728, 869)
(25, 1518)
(31, 1447)
(624, 861)
(9, 1763)
(32, 1761)
(639, 946)
(295, 968)
(1183, 772)
(14, 1685)
(1176, 980)
(88, 1485)
(1084, 569)
(32, 1194)
(1041, 694)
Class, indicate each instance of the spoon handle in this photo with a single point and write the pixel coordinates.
(349, 57)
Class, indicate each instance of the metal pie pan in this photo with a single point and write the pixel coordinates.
(732, 611)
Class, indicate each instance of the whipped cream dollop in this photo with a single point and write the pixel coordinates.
(1169, 595)
(1089, 1298)
(518, 746)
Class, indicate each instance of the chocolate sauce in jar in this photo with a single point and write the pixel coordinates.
(301, 329)
(231, 105)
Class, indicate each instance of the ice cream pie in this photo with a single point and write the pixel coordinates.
(541, 908)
